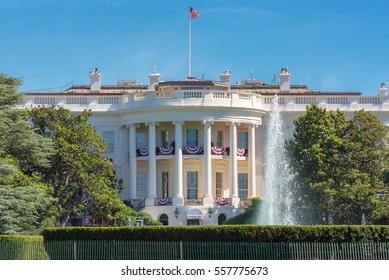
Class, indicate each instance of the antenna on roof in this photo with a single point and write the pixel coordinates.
(301, 81)
(274, 81)
(252, 74)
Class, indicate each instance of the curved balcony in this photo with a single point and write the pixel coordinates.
(144, 100)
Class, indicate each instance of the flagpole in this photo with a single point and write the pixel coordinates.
(189, 45)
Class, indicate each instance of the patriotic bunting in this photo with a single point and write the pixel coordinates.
(240, 152)
(163, 200)
(222, 200)
(166, 151)
(192, 150)
(144, 151)
(218, 150)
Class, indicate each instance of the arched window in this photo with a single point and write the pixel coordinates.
(164, 219)
(221, 219)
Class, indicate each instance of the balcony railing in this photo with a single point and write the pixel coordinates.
(114, 101)
(166, 151)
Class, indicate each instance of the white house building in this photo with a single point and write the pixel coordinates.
(190, 152)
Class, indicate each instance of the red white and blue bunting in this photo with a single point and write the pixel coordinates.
(144, 151)
(218, 150)
(163, 200)
(166, 150)
(240, 152)
(222, 200)
(192, 150)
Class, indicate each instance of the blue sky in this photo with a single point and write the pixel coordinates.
(332, 45)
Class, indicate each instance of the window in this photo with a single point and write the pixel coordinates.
(242, 185)
(221, 219)
(219, 139)
(141, 140)
(219, 181)
(242, 140)
(193, 222)
(191, 138)
(165, 184)
(191, 185)
(165, 138)
(109, 137)
(141, 185)
(164, 219)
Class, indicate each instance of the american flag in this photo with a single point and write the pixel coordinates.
(193, 13)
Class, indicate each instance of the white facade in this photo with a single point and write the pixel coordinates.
(191, 151)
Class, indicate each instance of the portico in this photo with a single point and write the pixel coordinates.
(197, 166)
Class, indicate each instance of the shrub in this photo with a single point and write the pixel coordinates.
(246, 233)
(13, 247)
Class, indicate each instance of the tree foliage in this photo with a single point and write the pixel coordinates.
(24, 210)
(82, 178)
(52, 168)
(17, 138)
(25, 201)
(338, 167)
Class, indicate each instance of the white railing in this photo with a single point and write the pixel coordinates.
(337, 100)
(164, 95)
(369, 99)
(140, 96)
(221, 95)
(108, 99)
(269, 99)
(77, 100)
(245, 96)
(45, 100)
(193, 94)
(205, 98)
(305, 99)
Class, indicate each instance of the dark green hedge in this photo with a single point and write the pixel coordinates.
(245, 233)
(13, 247)
(17, 238)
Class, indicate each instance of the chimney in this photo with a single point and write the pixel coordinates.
(225, 78)
(154, 80)
(383, 90)
(95, 80)
(284, 78)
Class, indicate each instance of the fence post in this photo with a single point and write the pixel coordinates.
(181, 251)
(74, 250)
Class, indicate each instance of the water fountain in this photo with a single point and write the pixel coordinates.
(276, 199)
(363, 220)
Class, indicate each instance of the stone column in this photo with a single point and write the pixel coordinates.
(234, 164)
(207, 199)
(252, 170)
(132, 159)
(152, 186)
(178, 198)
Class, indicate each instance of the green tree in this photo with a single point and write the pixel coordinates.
(338, 166)
(17, 138)
(249, 216)
(82, 178)
(25, 202)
